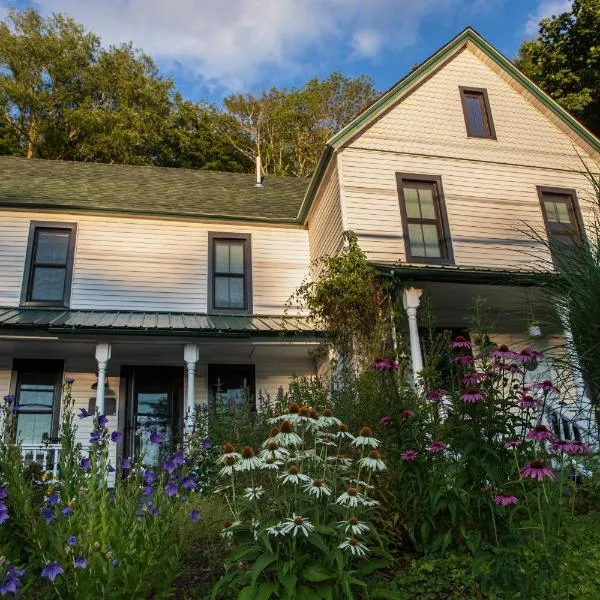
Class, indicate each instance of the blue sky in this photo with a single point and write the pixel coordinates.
(215, 47)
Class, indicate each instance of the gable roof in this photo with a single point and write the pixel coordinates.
(148, 191)
(388, 99)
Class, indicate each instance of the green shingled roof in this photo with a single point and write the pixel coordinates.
(157, 323)
(147, 190)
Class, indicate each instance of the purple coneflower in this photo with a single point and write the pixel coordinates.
(503, 352)
(436, 447)
(460, 342)
(405, 414)
(579, 448)
(464, 360)
(528, 401)
(561, 446)
(510, 444)
(384, 365)
(505, 500)
(52, 570)
(472, 378)
(472, 395)
(436, 395)
(385, 421)
(540, 433)
(547, 387)
(116, 436)
(512, 368)
(529, 354)
(537, 469)
(409, 455)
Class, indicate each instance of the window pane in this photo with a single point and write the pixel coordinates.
(550, 210)
(222, 257)
(562, 212)
(411, 197)
(475, 116)
(427, 203)
(52, 247)
(415, 236)
(236, 292)
(222, 292)
(431, 241)
(48, 284)
(32, 427)
(236, 258)
(36, 396)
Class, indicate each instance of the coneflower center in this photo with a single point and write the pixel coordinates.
(228, 448)
(274, 431)
(352, 491)
(328, 412)
(272, 446)
(293, 470)
(374, 454)
(538, 464)
(287, 427)
(353, 520)
(343, 427)
(294, 408)
(298, 521)
(227, 523)
(304, 411)
(318, 483)
(247, 452)
(366, 432)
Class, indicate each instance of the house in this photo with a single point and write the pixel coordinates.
(156, 289)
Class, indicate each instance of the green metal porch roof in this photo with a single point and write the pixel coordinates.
(153, 323)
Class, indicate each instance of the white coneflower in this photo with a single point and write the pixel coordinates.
(328, 420)
(287, 437)
(271, 465)
(249, 462)
(351, 497)
(294, 476)
(372, 462)
(309, 454)
(370, 502)
(317, 488)
(228, 455)
(325, 440)
(365, 438)
(229, 528)
(297, 524)
(354, 546)
(276, 530)
(254, 493)
(353, 525)
(343, 433)
(358, 483)
(307, 417)
(229, 467)
(340, 461)
(272, 450)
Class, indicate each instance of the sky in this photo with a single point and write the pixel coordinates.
(212, 48)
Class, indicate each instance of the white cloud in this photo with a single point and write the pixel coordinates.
(236, 43)
(545, 9)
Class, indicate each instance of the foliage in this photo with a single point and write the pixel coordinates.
(565, 60)
(300, 510)
(348, 300)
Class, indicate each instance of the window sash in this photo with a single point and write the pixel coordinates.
(559, 231)
(477, 113)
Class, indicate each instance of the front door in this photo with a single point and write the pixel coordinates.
(154, 401)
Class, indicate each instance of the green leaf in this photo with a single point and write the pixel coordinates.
(240, 553)
(384, 594)
(266, 590)
(247, 593)
(262, 562)
(372, 565)
(318, 572)
(288, 581)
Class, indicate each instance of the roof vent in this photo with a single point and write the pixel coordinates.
(259, 178)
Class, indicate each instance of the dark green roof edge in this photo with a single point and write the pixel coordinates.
(468, 34)
(462, 275)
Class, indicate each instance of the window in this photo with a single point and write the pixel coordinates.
(231, 385)
(424, 219)
(230, 285)
(49, 264)
(37, 390)
(477, 113)
(561, 215)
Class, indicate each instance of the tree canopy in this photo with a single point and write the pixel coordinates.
(564, 60)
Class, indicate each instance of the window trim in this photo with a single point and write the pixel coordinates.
(443, 227)
(464, 90)
(28, 270)
(247, 239)
(574, 210)
(46, 366)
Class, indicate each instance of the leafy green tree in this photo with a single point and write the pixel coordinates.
(565, 60)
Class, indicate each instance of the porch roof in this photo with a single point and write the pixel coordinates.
(153, 323)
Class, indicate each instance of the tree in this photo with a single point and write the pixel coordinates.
(565, 60)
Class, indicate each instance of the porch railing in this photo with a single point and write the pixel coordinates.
(46, 455)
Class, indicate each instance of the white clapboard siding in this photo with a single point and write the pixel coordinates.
(325, 218)
(430, 120)
(126, 263)
(5, 375)
(491, 206)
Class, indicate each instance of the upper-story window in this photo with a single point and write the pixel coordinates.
(49, 264)
(424, 219)
(477, 112)
(230, 273)
(561, 215)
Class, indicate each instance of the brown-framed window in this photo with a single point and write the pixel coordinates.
(37, 387)
(232, 386)
(230, 273)
(477, 112)
(49, 264)
(561, 215)
(424, 219)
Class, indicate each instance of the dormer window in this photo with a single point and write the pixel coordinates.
(477, 112)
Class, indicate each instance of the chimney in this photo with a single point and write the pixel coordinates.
(259, 182)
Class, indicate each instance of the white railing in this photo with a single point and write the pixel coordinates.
(46, 455)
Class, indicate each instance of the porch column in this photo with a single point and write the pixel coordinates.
(102, 357)
(573, 358)
(190, 355)
(411, 298)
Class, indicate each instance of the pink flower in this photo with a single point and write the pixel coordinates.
(505, 500)
(472, 395)
(436, 395)
(384, 365)
(512, 444)
(385, 421)
(529, 354)
(409, 455)
(528, 401)
(537, 469)
(540, 433)
(546, 387)
(463, 359)
(460, 342)
(503, 352)
(472, 378)
(561, 446)
(436, 447)
(579, 448)
(508, 367)
(405, 414)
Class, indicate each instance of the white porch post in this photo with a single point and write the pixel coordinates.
(411, 298)
(190, 355)
(102, 357)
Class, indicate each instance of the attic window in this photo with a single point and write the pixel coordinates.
(477, 113)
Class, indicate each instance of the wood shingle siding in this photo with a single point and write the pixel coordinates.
(126, 263)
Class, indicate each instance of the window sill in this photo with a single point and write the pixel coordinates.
(58, 305)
